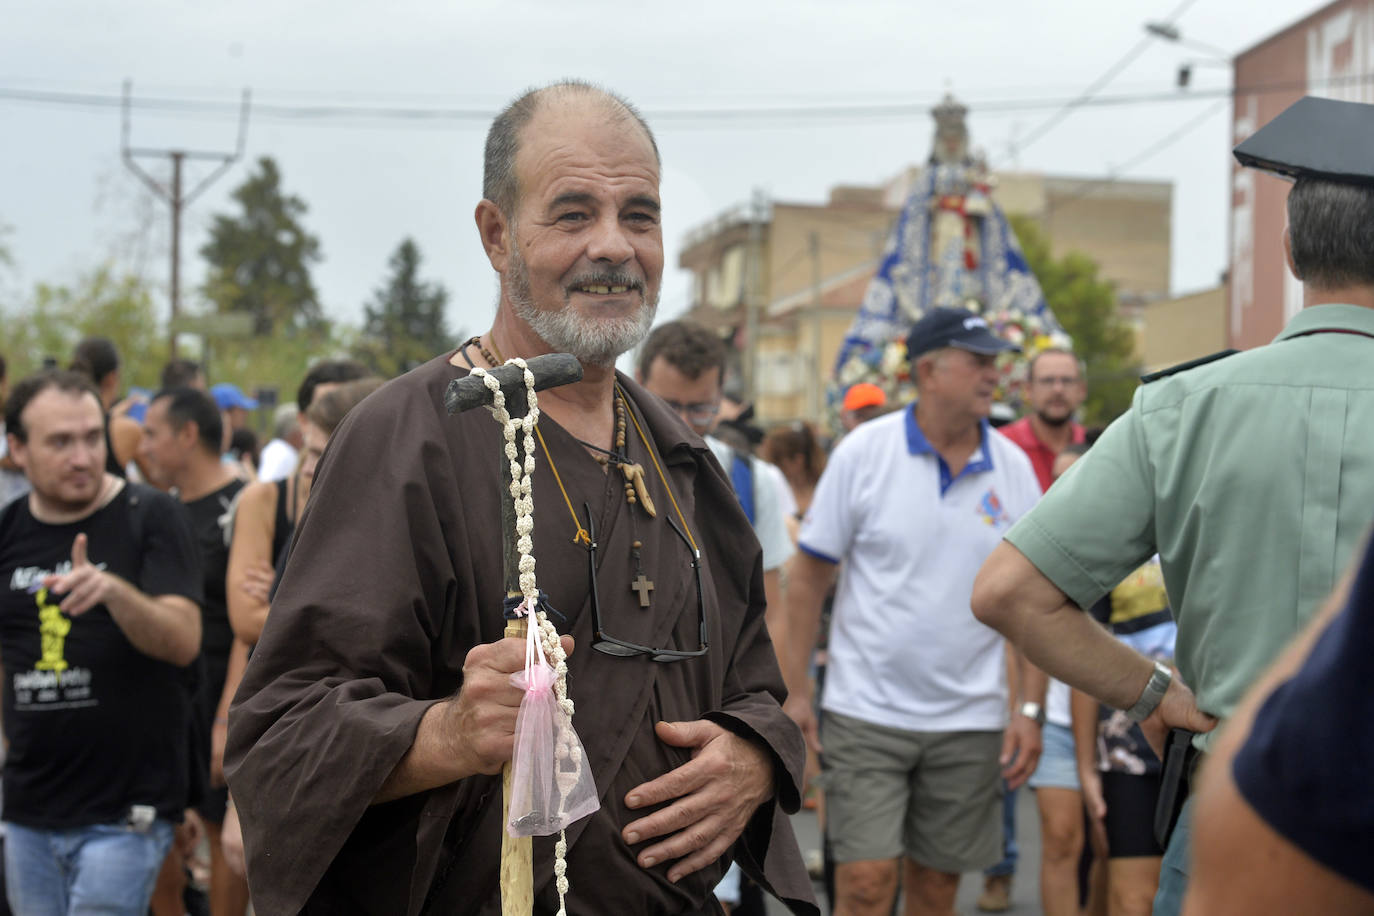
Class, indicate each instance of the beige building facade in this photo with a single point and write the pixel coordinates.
(1181, 329)
(804, 268)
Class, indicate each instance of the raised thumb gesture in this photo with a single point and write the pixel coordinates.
(84, 586)
(79, 551)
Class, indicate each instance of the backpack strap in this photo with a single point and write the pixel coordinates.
(742, 479)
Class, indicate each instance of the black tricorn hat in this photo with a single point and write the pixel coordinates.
(1315, 138)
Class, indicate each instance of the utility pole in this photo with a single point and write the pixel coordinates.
(753, 297)
(173, 195)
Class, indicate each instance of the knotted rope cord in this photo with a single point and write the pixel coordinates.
(522, 496)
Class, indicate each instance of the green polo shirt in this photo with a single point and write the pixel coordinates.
(1253, 479)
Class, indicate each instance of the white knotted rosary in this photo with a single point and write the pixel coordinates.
(568, 749)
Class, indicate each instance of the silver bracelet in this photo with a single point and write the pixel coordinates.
(1154, 691)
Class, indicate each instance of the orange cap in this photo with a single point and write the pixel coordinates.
(864, 394)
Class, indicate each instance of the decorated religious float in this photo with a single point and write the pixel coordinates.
(951, 246)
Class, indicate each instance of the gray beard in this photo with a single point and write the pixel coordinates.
(595, 342)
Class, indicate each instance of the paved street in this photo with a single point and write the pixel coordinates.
(1025, 891)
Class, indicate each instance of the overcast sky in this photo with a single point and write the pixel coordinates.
(69, 203)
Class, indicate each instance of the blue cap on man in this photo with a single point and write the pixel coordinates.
(947, 327)
(227, 395)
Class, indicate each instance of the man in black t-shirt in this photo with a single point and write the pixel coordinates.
(99, 587)
(181, 440)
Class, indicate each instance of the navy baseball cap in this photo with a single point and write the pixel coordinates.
(227, 395)
(946, 327)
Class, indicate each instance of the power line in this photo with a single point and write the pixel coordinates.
(736, 118)
(1095, 86)
(1156, 147)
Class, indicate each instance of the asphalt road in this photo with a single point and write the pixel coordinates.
(1025, 892)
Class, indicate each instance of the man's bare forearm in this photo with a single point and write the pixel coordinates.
(1012, 596)
(1033, 682)
(431, 761)
(166, 627)
(807, 586)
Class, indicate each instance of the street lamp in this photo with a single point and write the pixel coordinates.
(1216, 57)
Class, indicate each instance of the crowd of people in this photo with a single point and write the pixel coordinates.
(294, 657)
(141, 546)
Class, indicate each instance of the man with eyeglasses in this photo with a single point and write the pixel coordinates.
(916, 738)
(684, 364)
(1054, 391)
(377, 712)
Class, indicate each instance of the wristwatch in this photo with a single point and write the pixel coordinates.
(1154, 691)
(1033, 711)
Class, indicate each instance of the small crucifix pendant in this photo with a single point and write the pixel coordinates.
(643, 586)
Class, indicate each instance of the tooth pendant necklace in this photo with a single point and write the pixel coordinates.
(636, 490)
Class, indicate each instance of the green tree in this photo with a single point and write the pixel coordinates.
(259, 259)
(277, 362)
(404, 323)
(1085, 305)
(100, 302)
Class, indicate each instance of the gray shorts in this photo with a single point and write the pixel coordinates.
(935, 797)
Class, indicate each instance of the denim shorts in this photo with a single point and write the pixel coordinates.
(106, 868)
(1058, 768)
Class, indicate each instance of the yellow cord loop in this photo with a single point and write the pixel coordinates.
(661, 476)
(581, 537)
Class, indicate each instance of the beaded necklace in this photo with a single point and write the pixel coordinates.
(636, 491)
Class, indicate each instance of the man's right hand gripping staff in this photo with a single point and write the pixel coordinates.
(472, 732)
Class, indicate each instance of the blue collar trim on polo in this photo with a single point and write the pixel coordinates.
(813, 552)
(917, 444)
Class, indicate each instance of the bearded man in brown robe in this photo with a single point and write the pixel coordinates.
(367, 739)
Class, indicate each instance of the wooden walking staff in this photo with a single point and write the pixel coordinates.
(550, 371)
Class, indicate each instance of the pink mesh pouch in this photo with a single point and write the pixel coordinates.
(551, 782)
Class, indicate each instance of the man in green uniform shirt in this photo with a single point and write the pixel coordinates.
(1252, 476)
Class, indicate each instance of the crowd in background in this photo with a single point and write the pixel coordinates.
(242, 500)
(240, 505)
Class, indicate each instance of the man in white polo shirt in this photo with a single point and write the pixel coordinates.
(916, 733)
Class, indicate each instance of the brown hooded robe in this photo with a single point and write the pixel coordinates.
(396, 573)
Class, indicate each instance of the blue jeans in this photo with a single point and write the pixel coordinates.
(107, 869)
(1173, 872)
(1009, 852)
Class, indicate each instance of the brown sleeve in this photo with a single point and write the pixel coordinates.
(347, 662)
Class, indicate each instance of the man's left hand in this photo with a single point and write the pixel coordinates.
(1177, 709)
(1021, 746)
(712, 797)
(85, 586)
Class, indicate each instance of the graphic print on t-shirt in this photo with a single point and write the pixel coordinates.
(53, 628)
(991, 510)
(52, 683)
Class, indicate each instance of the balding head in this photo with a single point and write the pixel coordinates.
(500, 183)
